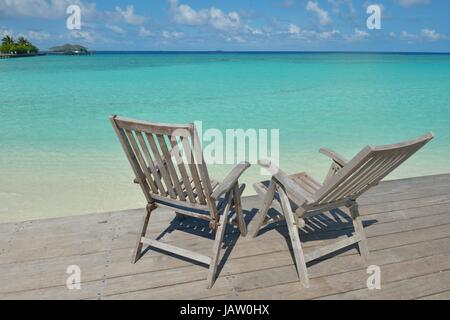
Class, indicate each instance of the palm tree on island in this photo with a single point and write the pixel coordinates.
(21, 47)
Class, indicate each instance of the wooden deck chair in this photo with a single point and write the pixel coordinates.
(299, 196)
(168, 163)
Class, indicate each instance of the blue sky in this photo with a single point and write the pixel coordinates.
(311, 25)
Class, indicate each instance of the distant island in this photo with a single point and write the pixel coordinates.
(69, 49)
(20, 48)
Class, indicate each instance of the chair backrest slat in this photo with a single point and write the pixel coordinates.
(366, 169)
(170, 167)
(193, 168)
(198, 156)
(151, 164)
(161, 164)
(167, 161)
(132, 159)
(359, 174)
(176, 152)
(143, 165)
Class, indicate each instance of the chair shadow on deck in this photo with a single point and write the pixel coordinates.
(325, 226)
(198, 227)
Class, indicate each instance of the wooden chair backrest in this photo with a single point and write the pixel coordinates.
(167, 160)
(367, 169)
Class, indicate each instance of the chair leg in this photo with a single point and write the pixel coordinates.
(217, 244)
(266, 203)
(359, 229)
(138, 248)
(295, 239)
(238, 209)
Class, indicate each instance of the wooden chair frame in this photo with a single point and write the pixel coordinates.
(345, 182)
(161, 156)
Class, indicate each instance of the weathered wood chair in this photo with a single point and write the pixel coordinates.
(299, 196)
(168, 163)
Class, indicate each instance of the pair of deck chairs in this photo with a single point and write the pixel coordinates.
(168, 165)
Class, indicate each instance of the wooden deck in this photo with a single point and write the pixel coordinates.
(407, 223)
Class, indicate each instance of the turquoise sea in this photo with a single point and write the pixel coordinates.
(59, 155)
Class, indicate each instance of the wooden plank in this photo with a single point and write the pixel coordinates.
(437, 296)
(230, 266)
(70, 239)
(407, 289)
(282, 282)
(33, 272)
(410, 237)
(268, 279)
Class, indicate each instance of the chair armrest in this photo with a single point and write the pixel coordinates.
(336, 157)
(230, 180)
(298, 195)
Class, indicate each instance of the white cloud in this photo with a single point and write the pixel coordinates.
(254, 31)
(294, 29)
(45, 9)
(237, 39)
(172, 34)
(86, 36)
(129, 16)
(184, 14)
(432, 35)
(336, 4)
(358, 35)
(323, 16)
(38, 35)
(408, 36)
(143, 32)
(327, 34)
(222, 21)
(424, 35)
(296, 32)
(412, 3)
(115, 29)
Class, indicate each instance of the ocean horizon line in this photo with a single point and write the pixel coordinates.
(259, 52)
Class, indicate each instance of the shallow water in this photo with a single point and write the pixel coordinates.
(59, 156)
